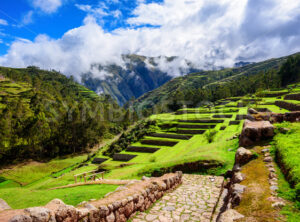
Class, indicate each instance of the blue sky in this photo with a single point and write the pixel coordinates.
(25, 20)
(73, 35)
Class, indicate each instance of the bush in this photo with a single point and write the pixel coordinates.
(210, 135)
(152, 159)
(143, 128)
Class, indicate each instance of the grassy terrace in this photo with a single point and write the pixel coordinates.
(287, 147)
(31, 182)
(287, 151)
(27, 185)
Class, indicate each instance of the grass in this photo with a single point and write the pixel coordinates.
(254, 203)
(23, 198)
(291, 211)
(34, 171)
(287, 146)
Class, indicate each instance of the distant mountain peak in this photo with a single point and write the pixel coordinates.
(137, 75)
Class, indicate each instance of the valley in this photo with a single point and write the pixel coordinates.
(201, 142)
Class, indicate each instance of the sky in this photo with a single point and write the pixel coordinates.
(72, 35)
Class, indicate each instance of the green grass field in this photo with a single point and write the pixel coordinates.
(287, 146)
(19, 198)
(35, 171)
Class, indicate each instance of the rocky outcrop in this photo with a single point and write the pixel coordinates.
(233, 189)
(252, 111)
(242, 156)
(116, 207)
(289, 117)
(256, 131)
(4, 205)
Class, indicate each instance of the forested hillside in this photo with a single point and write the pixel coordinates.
(209, 86)
(45, 114)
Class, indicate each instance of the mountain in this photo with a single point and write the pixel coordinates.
(138, 75)
(209, 86)
(45, 114)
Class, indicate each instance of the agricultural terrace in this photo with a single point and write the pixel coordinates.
(206, 136)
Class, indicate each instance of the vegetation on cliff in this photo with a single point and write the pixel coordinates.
(44, 114)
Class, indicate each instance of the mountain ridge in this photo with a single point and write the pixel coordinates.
(210, 80)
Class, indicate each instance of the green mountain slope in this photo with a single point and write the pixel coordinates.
(139, 75)
(205, 86)
(45, 114)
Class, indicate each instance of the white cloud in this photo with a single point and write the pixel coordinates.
(100, 11)
(3, 22)
(116, 13)
(47, 6)
(207, 33)
(97, 12)
(27, 19)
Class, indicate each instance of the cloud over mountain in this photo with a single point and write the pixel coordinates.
(206, 33)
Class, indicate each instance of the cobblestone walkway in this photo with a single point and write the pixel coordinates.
(194, 200)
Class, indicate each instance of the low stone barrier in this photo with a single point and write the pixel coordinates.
(171, 136)
(142, 149)
(273, 94)
(233, 190)
(281, 117)
(123, 157)
(118, 206)
(202, 121)
(223, 116)
(287, 105)
(234, 122)
(196, 126)
(159, 142)
(193, 132)
(292, 97)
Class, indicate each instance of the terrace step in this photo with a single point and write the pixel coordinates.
(142, 149)
(241, 116)
(273, 94)
(204, 112)
(288, 106)
(202, 121)
(196, 126)
(192, 132)
(234, 122)
(159, 142)
(292, 97)
(222, 116)
(123, 157)
(263, 110)
(99, 160)
(171, 136)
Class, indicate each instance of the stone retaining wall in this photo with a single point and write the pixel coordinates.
(292, 97)
(287, 105)
(281, 117)
(118, 206)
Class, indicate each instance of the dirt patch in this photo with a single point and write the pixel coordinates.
(255, 205)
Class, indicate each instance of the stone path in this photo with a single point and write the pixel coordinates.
(195, 200)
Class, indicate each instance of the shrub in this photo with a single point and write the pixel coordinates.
(143, 128)
(210, 135)
(152, 159)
